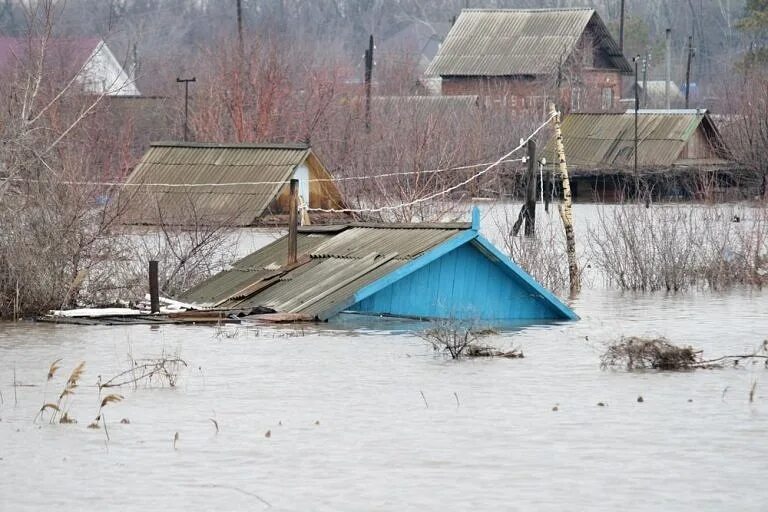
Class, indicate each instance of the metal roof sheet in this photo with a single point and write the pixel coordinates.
(341, 261)
(251, 269)
(506, 42)
(607, 140)
(194, 164)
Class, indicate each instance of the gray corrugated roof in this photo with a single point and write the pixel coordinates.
(250, 269)
(506, 42)
(338, 263)
(606, 140)
(196, 163)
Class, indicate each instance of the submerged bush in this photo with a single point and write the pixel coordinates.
(672, 248)
(635, 353)
(463, 338)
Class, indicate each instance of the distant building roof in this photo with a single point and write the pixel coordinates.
(506, 42)
(375, 268)
(656, 91)
(267, 167)
(606, 140)
(97, 69)
(420, 39)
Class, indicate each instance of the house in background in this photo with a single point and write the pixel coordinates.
(653, 95)
(417, 42)
(520, 58)
(403, 270)
(89, 60)
(675, 149)
(185, 183)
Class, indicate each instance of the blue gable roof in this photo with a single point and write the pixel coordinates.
(412, 270)
(465, 277)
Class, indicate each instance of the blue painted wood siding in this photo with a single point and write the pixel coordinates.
(463, 283)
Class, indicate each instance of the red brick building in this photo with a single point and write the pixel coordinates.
(520, 58)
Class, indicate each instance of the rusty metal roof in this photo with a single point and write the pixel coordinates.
(507, 42)
(181, 163)
(336, 263)
(606, 140)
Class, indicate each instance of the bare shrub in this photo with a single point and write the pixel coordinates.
(463, 338)
(673, 248)
(543, 256)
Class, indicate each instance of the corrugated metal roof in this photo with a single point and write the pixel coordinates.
(195, 163)
(251, 269)
(340, 262)
(607, 140)
(506, 42)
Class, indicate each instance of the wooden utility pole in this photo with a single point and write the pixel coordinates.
(688, 70)
(527, 215)
(154, 288)
(240, 25)
(530, 192)
(293, 222)
(637, 112)
(668, 67)
(621, 28)
(566, 208)
(368, 79)
(186, 82)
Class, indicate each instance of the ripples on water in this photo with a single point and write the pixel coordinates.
(377, 446)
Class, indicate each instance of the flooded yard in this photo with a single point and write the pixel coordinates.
(360, 414)
(350, 429)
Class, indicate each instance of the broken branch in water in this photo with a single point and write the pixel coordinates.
(164, 369)
(636, 353)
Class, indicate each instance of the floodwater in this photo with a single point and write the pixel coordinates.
(363, 415)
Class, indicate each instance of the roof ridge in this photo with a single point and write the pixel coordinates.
(232, 145)
(542, 9)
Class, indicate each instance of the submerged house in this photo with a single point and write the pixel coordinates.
(186, 183)
(674, 148)
(519, 58)
(403, 270)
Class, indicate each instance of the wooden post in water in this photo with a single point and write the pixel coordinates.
(566, 210)
(154, 287)
(527, 215)
(293, 222)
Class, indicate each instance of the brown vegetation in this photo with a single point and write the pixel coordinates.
(637, 353)
(672, 248)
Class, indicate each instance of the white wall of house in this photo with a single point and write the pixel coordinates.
(302, 174)
(103, 74)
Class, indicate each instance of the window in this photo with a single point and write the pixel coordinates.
(606, 98)
(576, 99)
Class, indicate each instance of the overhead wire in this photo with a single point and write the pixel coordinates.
(486, 168)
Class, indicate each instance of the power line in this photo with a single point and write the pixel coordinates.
(523, 142)
(247, 183)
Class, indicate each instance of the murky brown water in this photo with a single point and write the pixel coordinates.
(377, 445)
